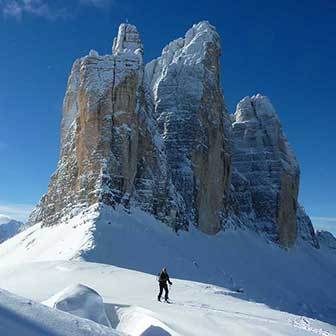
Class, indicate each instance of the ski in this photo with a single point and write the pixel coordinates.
(164, 301)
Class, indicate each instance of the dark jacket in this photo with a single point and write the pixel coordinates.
(164, 277)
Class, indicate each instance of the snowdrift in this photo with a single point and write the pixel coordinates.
(19, 316)
(81, 301)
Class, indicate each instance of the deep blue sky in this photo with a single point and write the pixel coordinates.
(285, 50)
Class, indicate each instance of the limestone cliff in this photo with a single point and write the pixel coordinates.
(266, 171)
(158, 137)
(111, 152)
(192, 119)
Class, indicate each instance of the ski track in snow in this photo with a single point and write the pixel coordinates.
(130, 304)
(304, 324)
(192, 304)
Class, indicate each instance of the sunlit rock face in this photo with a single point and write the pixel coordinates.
(158, 137)
(192, 119)
(111, 151)
(266, 177)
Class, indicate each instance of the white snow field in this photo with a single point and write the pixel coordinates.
(131, 306)
(284, 292)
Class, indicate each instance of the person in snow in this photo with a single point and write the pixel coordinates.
(163, 279)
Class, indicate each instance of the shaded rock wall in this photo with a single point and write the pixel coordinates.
(266, 177)
(192, 119)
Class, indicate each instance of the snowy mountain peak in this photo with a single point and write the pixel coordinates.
(254, 108)
(4, 219)
(327, 240)
(128, 40)
(200, 33)
(201, 42)
(8, 227)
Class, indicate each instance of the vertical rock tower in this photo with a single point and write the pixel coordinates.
(110, 148)
(267, 172)
(193, 121)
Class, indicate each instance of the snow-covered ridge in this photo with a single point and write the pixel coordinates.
(190, 50)
(327, 240)
(4, 219)
(300, 281)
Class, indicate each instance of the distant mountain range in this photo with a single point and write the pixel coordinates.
(8, 227)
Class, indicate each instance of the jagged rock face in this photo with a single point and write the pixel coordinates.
(189, 107)
(305, 229)
(110, 148)
(266, 175)
(9, 228)
(327, 240)
(159, 137)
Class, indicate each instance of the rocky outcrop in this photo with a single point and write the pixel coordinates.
(159, 137)
(305, 229)
(111, 152)
(9, 228)
(192, 119)
(327, 240)
(266, 176)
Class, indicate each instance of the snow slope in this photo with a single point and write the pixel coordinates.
(131, 306)
(23, 317)
(299, 281)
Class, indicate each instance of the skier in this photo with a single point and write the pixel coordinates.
(163, 278)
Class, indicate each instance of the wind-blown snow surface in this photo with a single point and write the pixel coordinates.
(299, 281)
(23, 317)
(130, 304)
(81, 301)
